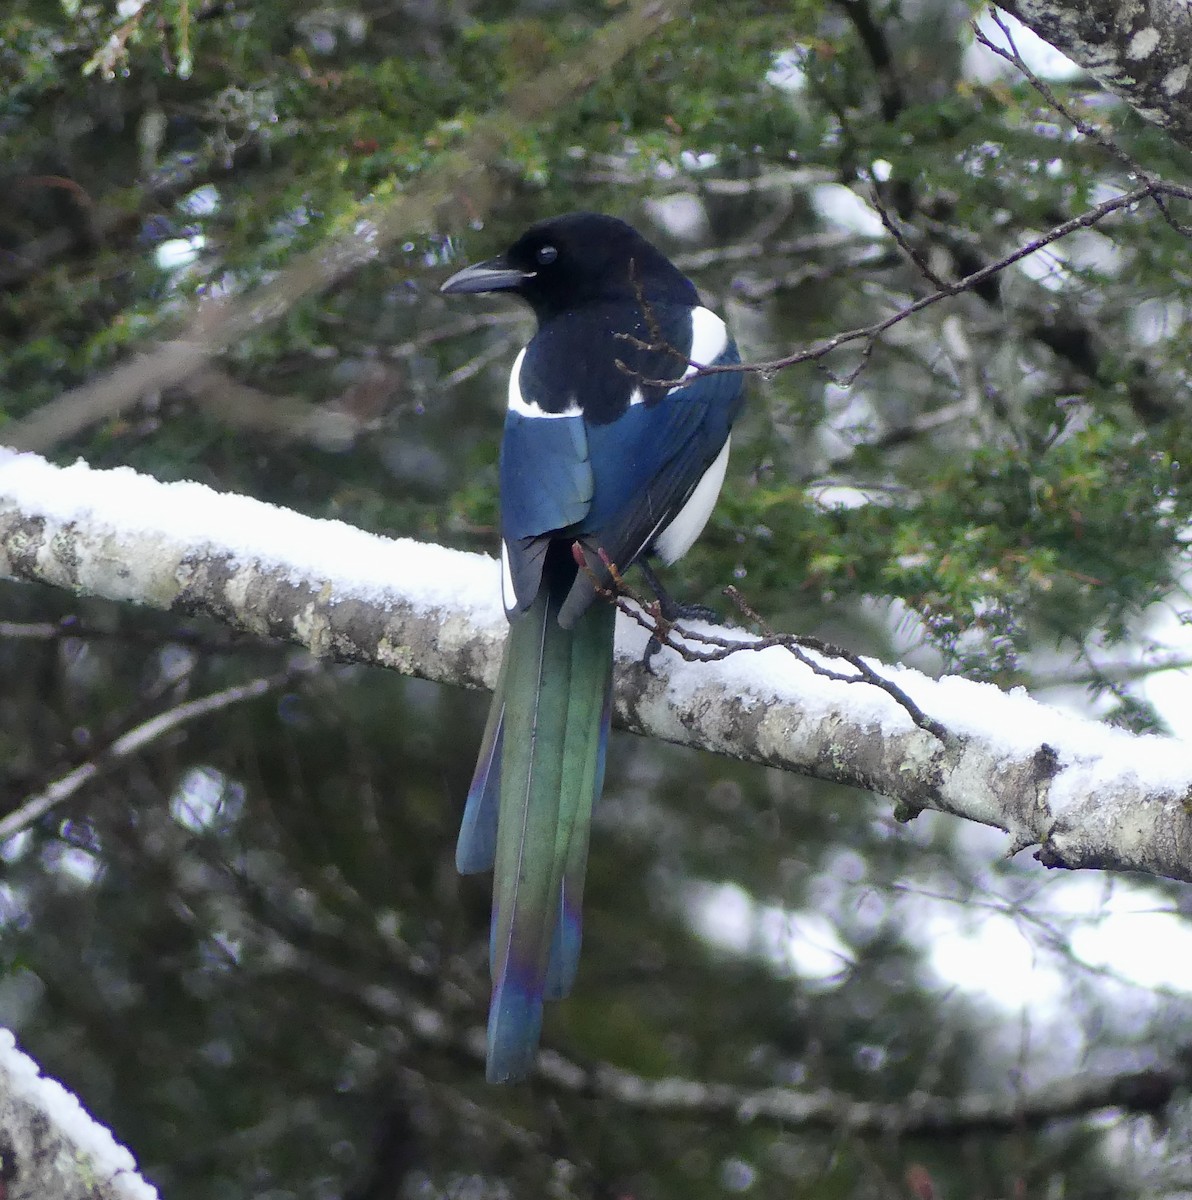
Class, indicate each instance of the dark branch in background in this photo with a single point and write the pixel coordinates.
(73, 628)
(1146, 1091)
(874, 40)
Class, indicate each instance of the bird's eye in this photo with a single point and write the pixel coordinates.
(546, 255)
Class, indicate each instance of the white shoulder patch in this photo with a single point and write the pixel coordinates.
(709, 337)
(520, 405)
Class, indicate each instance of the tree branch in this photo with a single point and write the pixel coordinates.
(917, 1115)
(51, 1146)
(1141, 51)
(1151, 189)
(36, 806)
(1086, 794)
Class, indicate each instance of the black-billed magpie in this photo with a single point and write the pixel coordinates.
(602, 464)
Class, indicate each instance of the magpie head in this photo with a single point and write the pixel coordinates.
(577, 259)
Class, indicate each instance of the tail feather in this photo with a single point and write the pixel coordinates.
(476, 847)
(552, 737)
(564, 956)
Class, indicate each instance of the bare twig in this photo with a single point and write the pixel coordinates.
(870, 333)
(699, 646)
(1010, 53)
(894, 229)
(35, 807)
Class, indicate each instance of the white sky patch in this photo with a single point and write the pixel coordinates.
(1168, 692)
(175, 253)
(97, 1153)
(72, 861)
(698, 160)
(202, 202)
(14, 848)
(1152, 949)
(1047, 267)
(986, 953)
(1169, 632)
(838, 495)
(1025, 957)
(786, 74)
(984, 66)
(1158, 318)
(1128, 929)
(682, 215)
(844, 208)
(206, 800)
(1091, 250)
(801, 943)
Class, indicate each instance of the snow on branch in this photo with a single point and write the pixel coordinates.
(1141, 50)
(1085, 794)
(50, 1146)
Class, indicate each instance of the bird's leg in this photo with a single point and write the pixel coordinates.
(669, 610)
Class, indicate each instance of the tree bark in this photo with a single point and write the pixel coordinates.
(50, 1146)
(1140, 49)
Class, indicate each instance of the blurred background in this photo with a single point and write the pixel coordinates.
(220, 942)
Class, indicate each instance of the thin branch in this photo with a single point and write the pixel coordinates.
(71, 628)
(895, 230)
(870, 333)
(36, 806)
(1140, 52)
(699, 646)
(1011, 54)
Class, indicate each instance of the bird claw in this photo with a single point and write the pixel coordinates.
(653, 646)
(692, 612)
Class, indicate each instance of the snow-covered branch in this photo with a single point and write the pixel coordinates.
(50, 1146)
(1087, 795)
(1142, 50)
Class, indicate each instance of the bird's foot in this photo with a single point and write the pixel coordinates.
(666, 610)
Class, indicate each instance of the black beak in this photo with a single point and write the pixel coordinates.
(491, 276)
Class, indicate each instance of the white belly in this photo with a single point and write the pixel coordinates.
(688, 523)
